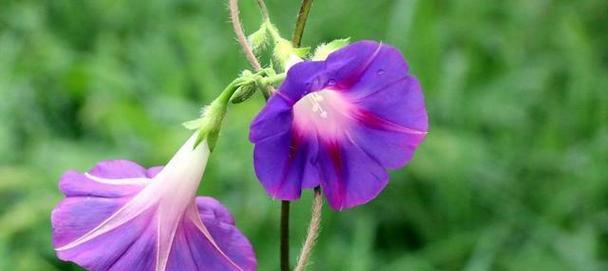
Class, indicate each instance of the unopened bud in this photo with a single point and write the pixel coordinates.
(243, 92)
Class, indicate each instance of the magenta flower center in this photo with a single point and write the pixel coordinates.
(325, 113)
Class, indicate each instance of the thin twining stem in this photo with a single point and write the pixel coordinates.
(301, 22)
(313, 230)
(264, 10)
(240, 35)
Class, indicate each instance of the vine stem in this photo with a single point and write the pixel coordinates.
(284, 236)
(237, 26)
(313, 230)
(301, 22)
(264, 10)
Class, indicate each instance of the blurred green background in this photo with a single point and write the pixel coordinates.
(513, 175)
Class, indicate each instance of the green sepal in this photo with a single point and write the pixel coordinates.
(302, 52)
(208, 125)
(259, 39)
(192, 124)
(240, 89)
(210, 134)
(283, 50)
(323, 50)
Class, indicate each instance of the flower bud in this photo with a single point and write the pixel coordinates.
(244, 92)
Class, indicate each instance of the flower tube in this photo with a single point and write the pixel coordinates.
(121, 216)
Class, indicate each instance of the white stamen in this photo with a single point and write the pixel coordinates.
(316, 99)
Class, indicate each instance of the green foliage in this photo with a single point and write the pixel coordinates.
(512, 177)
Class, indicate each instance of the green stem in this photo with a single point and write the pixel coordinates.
(313, 230)
(285, 235)
(301, 22)
(263, 9)
(271, 80)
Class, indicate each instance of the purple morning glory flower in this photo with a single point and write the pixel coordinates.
(340, 124)
(121, 216)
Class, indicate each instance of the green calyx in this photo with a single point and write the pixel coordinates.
(252, 82)
(285, 54)
(210, 122)
(239, 90)
(283, 51)
(247, 88)
(259, 39)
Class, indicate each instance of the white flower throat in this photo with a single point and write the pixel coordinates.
(316, 99)
(325, 112)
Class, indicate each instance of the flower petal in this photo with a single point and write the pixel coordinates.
(129, 246)
(75, 216)
(153, 171)
(349, 175)
(89, 202)
(377, 79)
(118, 169)
(368, 116)
(192, 250)
(392, 149)
(398, 106)
(111, 224)
(275, 119)
(285, 163)
(365, 63)
(301, 79)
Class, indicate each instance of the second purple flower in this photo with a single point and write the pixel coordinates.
(340, 124)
